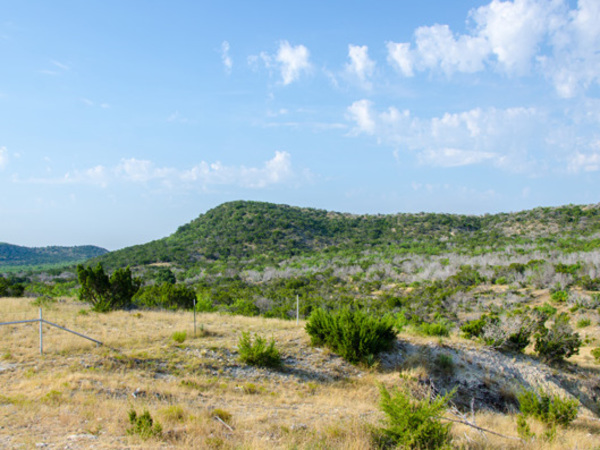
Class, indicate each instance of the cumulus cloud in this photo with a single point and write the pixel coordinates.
(293, 61)
(275, 171)
(227, 61)
(290, 61)
(361, 113)
(360, 65)
(3, 157)
(502, 137)
(512, 37)
(401, 57)
(584, 162)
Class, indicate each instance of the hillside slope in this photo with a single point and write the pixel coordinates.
(15, 255)
(83, 393)
(243, 232)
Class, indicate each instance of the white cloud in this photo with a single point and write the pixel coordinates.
(177, 117)
(360, 66)
(227, 61)
(275, 171)
(290, 61)
(515, 30)
(360, 112)
(59, 65)
(580, 162)
(58, 68)
(400, 56)
(91, 103)
(513, 37)
(437, 46)
(3, 157)
(502, 137)
(453, 157)
(293, 61)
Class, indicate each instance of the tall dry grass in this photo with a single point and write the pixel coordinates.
(78, 395)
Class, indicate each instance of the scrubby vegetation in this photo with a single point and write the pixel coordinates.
(354, 335)
(513, 286)
(257, 352)
(549, 409)
(413, 423)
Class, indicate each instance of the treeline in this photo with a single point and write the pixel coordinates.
(18, 256)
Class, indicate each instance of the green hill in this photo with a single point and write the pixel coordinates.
(245, 233)
(18, 256)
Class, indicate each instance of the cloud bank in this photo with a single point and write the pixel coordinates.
(275, 171)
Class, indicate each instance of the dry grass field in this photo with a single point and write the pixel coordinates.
(78, 395)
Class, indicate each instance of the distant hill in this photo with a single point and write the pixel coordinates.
(15, 255)
(244, 233)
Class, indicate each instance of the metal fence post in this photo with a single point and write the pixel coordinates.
(41, 334)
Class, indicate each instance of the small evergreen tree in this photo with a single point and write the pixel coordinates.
(413, 423)
(106, 293)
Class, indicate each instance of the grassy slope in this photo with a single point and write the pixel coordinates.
(79, 395)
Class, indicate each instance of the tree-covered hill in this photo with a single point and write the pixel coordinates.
(15, 255)
(260, 233)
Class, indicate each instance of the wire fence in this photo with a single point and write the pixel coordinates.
(41, 321)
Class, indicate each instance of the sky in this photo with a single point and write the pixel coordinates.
(122, 120)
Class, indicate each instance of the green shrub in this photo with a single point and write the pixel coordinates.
(204, 304)
(244, 307)
(546, 309)
(559, 296)
(412, 423)
(166, 295)
(439, 328)
(558, 342)
(585, 322)
(144, 426)
(549, 409)
(523, 427)
(354, 335)
(179, 336)
(473, 328)
(258, 353)
(596, 354)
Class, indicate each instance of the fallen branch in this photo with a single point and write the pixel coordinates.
(482, 429)
(223, 423)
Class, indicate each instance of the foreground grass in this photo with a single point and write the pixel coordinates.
(79, 395)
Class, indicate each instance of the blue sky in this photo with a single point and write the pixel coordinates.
(121, 120)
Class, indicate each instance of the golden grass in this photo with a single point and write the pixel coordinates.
(78, 395)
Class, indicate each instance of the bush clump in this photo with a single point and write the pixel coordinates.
(179, 336)
(413, 423)
(550, 409)
(440, 328)
(354, 335)
(510, 334)
(166, 295)
(258, 352)
(596, 354)
(143, 425)
(558, 342)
